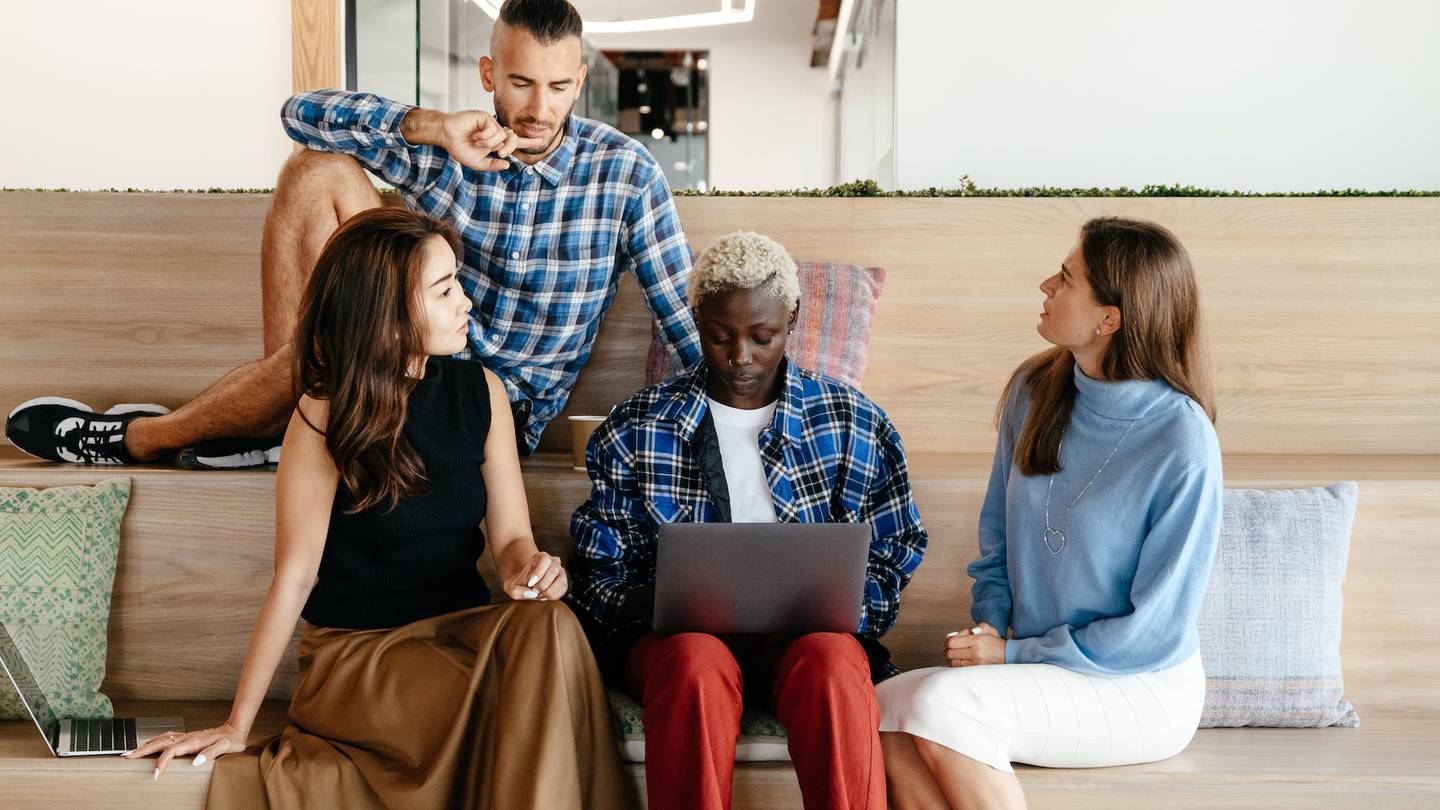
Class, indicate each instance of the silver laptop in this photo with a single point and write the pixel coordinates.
(760, 577)
(76, 736)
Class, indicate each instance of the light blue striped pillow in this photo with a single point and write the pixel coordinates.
(1270, 625)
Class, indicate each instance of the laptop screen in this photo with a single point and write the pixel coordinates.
(24, 682)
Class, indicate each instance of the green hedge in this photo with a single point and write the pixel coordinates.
(869, 188)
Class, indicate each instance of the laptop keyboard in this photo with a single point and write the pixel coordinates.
(102, 735)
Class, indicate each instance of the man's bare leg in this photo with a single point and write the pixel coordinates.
(316, 192)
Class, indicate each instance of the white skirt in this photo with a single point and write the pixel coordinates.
(1041, 714)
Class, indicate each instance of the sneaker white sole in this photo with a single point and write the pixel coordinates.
(233, 461)
(138, 407)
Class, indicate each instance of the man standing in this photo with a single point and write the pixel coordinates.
(551, 209)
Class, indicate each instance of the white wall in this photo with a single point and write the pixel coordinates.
(1266, 95)
(155, 94)
(771, 114)
(1251, 94)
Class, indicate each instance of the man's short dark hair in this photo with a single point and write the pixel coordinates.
(546, 20)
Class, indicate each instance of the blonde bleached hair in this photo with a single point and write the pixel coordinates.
(745, 260)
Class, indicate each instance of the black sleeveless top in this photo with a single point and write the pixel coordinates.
(386, 568)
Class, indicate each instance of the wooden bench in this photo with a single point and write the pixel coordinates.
(1322, 315)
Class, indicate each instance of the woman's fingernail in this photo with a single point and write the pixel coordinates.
(531, 594)
(952, 635)
(198, 761)
(975, 631)
(156, 776)
(532, 582)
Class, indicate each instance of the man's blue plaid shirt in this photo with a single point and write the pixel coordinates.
(831, 456)
(544, 245)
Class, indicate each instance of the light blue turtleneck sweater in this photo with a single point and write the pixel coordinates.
(1123, 593)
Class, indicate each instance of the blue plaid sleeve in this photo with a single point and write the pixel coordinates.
(366, 127)
(659, 255)
(614, 541)
(898, 537)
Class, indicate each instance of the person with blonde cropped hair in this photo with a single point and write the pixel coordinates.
(747, 260)
(745, 437)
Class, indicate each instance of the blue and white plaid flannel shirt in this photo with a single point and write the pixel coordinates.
(831, 456)
(544, 245)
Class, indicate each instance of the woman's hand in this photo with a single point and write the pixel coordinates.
(209, 744)
(981, 645)
(542, 578)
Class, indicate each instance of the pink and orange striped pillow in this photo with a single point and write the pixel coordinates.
(832, 333)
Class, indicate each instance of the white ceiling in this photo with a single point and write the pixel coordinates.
(606, 10)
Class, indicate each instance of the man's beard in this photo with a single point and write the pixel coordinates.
(504, 118)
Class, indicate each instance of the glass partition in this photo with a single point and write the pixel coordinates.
(427, 52)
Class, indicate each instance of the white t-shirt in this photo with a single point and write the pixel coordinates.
(739, 434)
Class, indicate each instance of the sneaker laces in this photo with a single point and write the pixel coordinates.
(91, 440)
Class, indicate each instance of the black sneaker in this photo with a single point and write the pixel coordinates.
(58, 429)
(231, 454)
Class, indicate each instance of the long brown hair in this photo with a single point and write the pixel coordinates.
(359, 333)
(1141, 268)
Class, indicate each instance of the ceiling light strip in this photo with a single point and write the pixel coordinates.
(727, 15)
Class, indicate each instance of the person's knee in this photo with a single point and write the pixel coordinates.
(551, 621)
(697, 664)
(562, 624)
(962, 689)
(312, 173)
(838, 647)
(826, 656)
(932, 753)
(896, 744)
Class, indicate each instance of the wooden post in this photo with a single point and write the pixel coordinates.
(314, 44)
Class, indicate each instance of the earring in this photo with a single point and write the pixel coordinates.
(1097, 331)
(731, 361)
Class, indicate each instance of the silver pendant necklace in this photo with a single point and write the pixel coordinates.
(1053, 535)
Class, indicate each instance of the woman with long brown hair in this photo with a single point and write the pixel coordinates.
(413, 691)
(1096, 539)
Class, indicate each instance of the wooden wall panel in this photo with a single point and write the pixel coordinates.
(196, 557)
(1324, 313)
(314, 44)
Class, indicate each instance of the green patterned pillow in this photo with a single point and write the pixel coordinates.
(57, 563)
(762, 738)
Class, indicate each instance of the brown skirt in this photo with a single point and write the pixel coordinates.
(493, 707)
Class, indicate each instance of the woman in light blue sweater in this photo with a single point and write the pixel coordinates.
(1096, 539)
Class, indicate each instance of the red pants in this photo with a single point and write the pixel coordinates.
(691, 685)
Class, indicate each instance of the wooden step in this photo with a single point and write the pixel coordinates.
(1389, 762)
(1321, 378)
(197, 553)
(1322, 313)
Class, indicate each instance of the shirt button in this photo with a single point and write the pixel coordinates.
(524, 206)
(515, 255)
